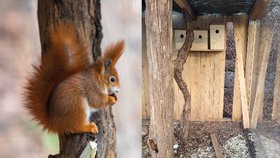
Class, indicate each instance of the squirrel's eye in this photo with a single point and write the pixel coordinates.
(112, 79)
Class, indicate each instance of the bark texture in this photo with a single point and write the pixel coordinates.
(178, 69)
(85, 15)
(159, 53)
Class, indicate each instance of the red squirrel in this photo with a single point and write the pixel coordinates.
(65, 88)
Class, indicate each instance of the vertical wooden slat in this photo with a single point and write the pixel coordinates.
(195, 95)
(240, 40)
(276, 98)
(242, 23)
(209, 86)
(265, 45)
(252, 51)
(219, 75)
(203, 23)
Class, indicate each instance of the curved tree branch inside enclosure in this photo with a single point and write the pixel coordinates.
(178, 69)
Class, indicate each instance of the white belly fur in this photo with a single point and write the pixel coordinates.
(88, 109)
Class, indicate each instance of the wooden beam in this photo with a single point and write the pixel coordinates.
(216, 146)
(251, 60)
(276, 98)
(258, 9)
(240, 40)
(265, 45)
(186, 7)
(240, 26)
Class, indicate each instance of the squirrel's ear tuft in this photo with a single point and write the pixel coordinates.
(114, 52)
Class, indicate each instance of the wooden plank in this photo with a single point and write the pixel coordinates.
(203, 24)
(240, 39)
(222, 67)
(241, 22)
(265, 45)
(276, 98)
(195, 84)
(258, 9)
(216, 146)
(195, 72)
(203, 86)
(186, 7)
(219, 71)
(236, 106)
(252, 50)
(208, 80)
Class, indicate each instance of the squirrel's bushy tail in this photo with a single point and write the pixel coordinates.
(67, 55)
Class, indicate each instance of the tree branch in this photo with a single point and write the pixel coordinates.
(178, 69)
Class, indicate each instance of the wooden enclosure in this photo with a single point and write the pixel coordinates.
(204, 70)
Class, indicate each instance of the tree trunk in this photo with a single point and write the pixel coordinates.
(159, 53)
(178, 69)
(85, 15)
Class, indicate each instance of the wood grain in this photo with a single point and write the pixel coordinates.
(240, 40)
(158, 20)
(265, 46)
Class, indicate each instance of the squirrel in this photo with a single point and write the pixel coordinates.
(65, 88)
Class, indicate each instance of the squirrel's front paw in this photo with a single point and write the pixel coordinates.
(112, 98)
(92, 127)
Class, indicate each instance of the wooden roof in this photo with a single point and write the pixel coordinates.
(222, 7)
(254, 8)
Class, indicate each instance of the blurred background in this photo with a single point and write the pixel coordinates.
(20, 47)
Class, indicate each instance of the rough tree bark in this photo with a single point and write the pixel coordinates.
(159, 53)
(178, 69)
(85, 15)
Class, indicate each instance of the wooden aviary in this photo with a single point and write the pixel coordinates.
(204, 69)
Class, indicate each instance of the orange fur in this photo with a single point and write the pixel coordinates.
(114, 52)
(64, 84)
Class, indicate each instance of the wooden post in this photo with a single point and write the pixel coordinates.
(240, 42)
(276, 98)
(251, 62)
(85, 15)
(258, 8)
(265, 45)
(240, 25)
(159, 52)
